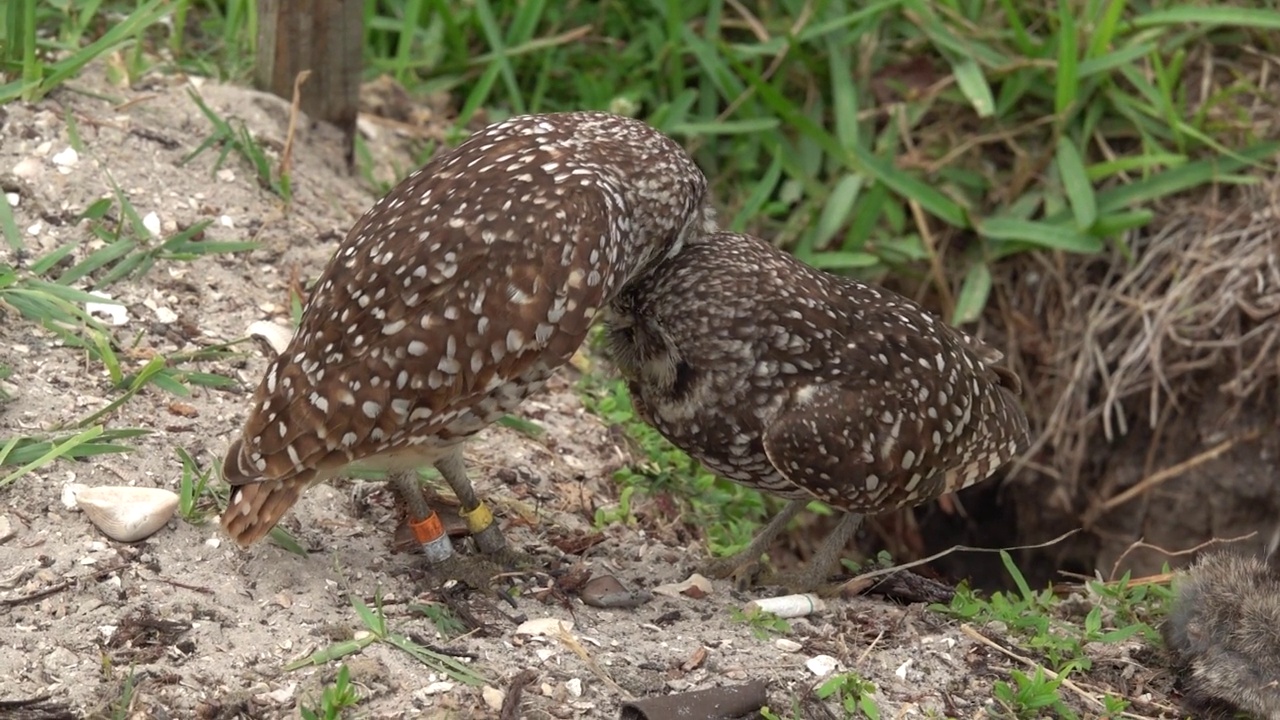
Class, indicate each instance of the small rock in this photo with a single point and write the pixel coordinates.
(786, 645)
(493, 697)
(165, 315)
(438, 688)
(6, 528)
(27, 168)
(226, 175)
(13, 199)
(125, 513)
(606, 591)
(901, 672)
(283, 695)
(574, 686)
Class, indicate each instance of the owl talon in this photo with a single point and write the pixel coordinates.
(475, 572)
(805, 580)
(512, 560)
(739, 571)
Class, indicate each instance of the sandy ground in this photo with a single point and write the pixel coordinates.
(208, 629)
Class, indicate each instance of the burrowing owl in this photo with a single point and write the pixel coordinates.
(807, 385)
(453, 299)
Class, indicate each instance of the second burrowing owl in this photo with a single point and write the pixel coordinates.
(808, 385)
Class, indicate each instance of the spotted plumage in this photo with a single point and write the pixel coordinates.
(807, 385)
(455, 297)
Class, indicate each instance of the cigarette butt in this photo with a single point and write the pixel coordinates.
(787, 606)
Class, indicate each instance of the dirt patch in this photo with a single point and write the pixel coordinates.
(206, 630)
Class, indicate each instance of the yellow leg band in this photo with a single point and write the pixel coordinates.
(478, 518)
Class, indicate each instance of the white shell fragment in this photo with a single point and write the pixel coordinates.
(822, 665)
(115, 313)
(69, 492)
(544, 626)
(695, 587)
(787, 606)
(151, 221)
(127, 514)
(277, 336)
(66, 160)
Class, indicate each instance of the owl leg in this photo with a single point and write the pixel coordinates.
(444, 564)
(742, 566)
(480, 522)
(425, 523)
(813, 576)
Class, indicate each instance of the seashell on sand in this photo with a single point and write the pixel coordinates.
(127, 514)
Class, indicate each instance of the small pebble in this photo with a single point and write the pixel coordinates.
(493, 697)
(574, 686)
(283, 695)
(605, 591)
(151, 221)
(27, 168)
(786, 645)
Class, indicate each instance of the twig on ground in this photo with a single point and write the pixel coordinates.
(860, 583)
(511, 705)
(59, 587)
(572, 643)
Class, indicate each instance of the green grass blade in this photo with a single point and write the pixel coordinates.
(1076, 183)
(1256, 18)
(1038, 234)
(973, 294)
(62, 449)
